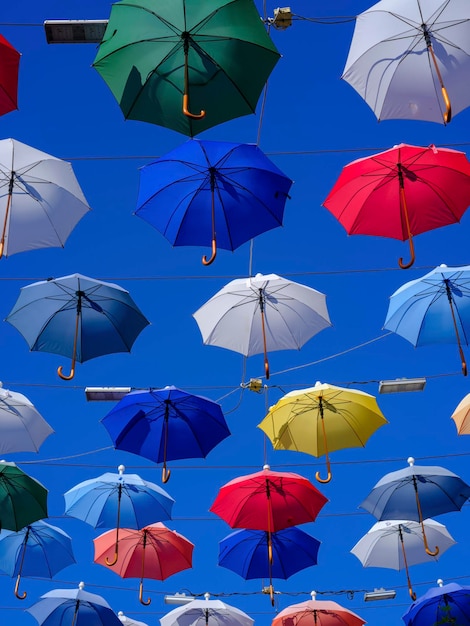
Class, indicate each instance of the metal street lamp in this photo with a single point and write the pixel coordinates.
(75, 31)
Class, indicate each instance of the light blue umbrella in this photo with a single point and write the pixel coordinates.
(38, 549)
(416, 493)
(443, 604)
(433, 309)
(73, 607)
(77, 316)
(116, 501)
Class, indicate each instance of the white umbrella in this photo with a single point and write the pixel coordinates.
(206, 613)
(261, 314)
(398, 544)
(22, 428)
(127, 621)
(410, 59)
(40, 199)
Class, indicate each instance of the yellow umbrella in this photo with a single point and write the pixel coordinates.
(461, 416)
(321, 419)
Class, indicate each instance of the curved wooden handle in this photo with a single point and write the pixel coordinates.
(266, 368)
(65, 376)
(141, 593)
(430, 552)
(24, 594)
(208, 261)
(193, 116)
(115, 559)
(165, 474)
(412, 594)
(448, 112)
(323, 480)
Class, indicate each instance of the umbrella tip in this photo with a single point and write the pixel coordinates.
(121, 469)
(410, 460)
(81, 585)
(440, 582)
(266, 467)
(442, 265)
(207, 595)
(313, 594)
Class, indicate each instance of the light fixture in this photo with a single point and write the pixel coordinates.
(282, 18)
(379, 594)
(400, 385)
(75, 31)
(106, 394)
(178, 598)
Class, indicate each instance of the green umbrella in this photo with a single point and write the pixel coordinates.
(160, 57)
(23, 499)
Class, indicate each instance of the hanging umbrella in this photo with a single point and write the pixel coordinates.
(23, 499)
(9, 67)
(461, 416)
(402, 192)
(268, 501)
(115, 500)
(154, 552)
(38, 549)
(416, 493)
(260, 314)
(321, 419)
(40, 199)
(127, 621)
(411, 59)
(162, 58)
(73, 607)
(398, 544)
(433, 309)
(166, 424)
(206, 613)
(443, 604)
(77, 316)
(212, 193)
(22, 428)
(246, 552)
(317, 613)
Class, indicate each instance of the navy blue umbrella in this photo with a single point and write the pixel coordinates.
(417, 493)
(166, 424)
(443, 604)
(212, 193)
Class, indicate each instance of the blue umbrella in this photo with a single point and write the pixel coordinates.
(115, 500)
(416, 493)
(433, 309)
(166, 424)
(38, 549)
(73, 607)
(77, 316)
(443, 604)
(245, 552)
(215, 191)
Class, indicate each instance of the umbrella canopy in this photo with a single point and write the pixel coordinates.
(77, 316)
(9, 67)
(433, 309)
(115, 500)
(245, 552)
(443, 604)
(22, 428)
(416, 493)
(261, 314)
(166, 424)
(317, 613)
(38, 549)
(411, 59)
(23, 499)
(163, 60)
(321, 419)
(212, 193)
(40, 199)
(461, 416)
(206, 613)
(154, 551)
(402, 192)
(398, 544)
(73, 607)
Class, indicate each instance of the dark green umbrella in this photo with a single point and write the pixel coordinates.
(160, 57)
(23, 499)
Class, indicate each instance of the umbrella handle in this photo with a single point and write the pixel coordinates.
(327, 458)
(271, 593)
(412, 594)
(266, 368)
(448, 112)
(66, 376)
(205, 260)
(323, 480)
(24, 594)
(405, 266)
(193, 116)
(115, 559)
(165, 475)
(186, 111)
(141, 593)
(74, 355)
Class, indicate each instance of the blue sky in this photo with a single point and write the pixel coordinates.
(313, 124)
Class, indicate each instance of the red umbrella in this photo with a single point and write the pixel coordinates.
(268, 501)
(317, 613)
(402, 192)
(154, 552)
(9, 66)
